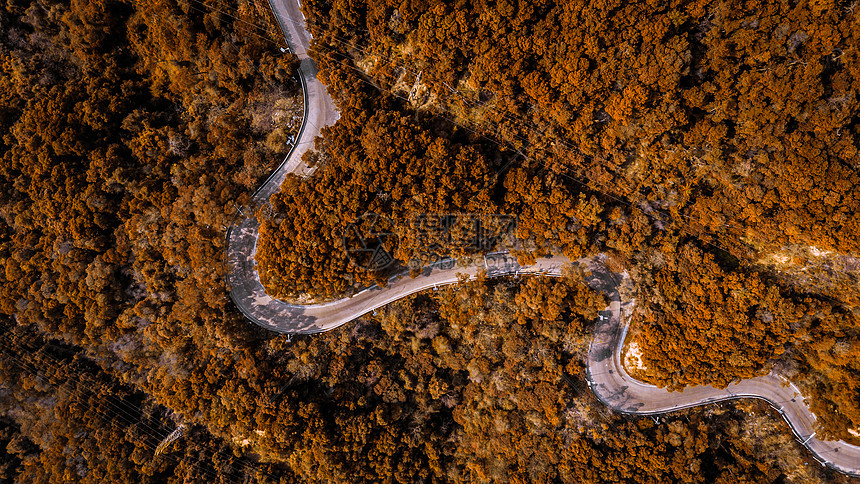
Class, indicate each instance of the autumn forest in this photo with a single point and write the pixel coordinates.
(710, 150)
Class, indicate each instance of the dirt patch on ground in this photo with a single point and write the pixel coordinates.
(633, 357)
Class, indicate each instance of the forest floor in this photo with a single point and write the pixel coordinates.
(633, 357)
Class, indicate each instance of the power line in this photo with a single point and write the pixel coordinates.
(666, 218)
(129, 412)
(346, 62)
(505, 116)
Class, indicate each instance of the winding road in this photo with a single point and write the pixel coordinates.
(606, 374)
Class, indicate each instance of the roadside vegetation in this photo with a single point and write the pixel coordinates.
(131, 132)
(710, 148)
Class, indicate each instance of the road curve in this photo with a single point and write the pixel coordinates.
(616, 388)
(243, 280)
(606, 375)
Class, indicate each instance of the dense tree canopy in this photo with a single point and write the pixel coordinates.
(710, 147)
(734, 122)
(131, 132)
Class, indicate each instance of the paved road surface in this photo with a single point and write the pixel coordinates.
(614, 387)
(319, 111)
(607, 377)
